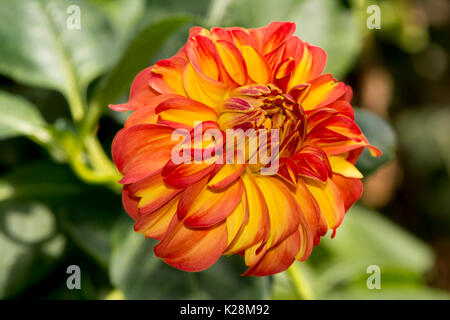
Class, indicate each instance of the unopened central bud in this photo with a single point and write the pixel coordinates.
(264, 107)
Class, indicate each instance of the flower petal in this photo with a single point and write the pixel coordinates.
(155, 224)
(323, 91)
(192, 249)
(208, 207)
(166, 76)
(344, 168)
(258, 224)
(351, 189)
(153, 193)
(278, 258)
(257, 67)
(311, 65)
(329, 199)
(141, 151)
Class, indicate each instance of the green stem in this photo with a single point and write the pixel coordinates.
(302, 286)
(91, 118)
(76, 105)
(100, 168)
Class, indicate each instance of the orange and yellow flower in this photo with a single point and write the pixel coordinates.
(231, 78)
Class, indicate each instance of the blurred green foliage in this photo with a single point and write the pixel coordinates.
(60, 202)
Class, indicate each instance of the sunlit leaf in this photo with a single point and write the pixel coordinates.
(39, 49)
(20, 117)
(380, 134)
(367, 236)
(136, 271)
(136, 57)
(29, 245)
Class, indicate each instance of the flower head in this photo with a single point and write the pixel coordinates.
(205, 195)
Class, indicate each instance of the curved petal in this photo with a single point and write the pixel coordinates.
(140, 92)
(192, 249)
(130, 203)
(207, 207)
(146, 114)
(257, 227)
(275, 34)
(227, 175)
(350, 188)
(323, 91)
(283, 210)
(153, 193)
(185, 111)
(257, 67)
(311, 211)
(204, 90)
(329, 199)
(278, 258)
(155, 224)
(310, 65)
(233, 61)
(141, 151)
(166, 76)
(343, 167)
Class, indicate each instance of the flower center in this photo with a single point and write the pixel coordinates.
(265, 107)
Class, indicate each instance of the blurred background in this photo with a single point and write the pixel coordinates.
(62, 62)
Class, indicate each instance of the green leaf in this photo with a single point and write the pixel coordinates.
(380, 134)
(124, 16)
(137, 57)
(38, 180)
(366, 236)
(90, 223)
(29, 245)
(157, 9)
(136, 271)
(323, 23)
(39, 49)
(20, 117)
(85, 213)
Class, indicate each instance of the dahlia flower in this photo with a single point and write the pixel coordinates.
(202, 208)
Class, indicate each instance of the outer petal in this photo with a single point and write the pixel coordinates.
(185, 111)
(278, 258)
(311, 210)
(351, 189)
(324, 90)
(202, 89)
(208, 207)
(311, 65)
(329, 199)
(233, 61)
(237, 220)
(153, 193)
(141, 151)
(155, 224)
(166, 76)
(146, 114)
(341, 166)
(185, 174)
(257, 67)
(275, 34)
(140, 92)
(191, 249)
(285, 217)
(258, 225)
(283, 209)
